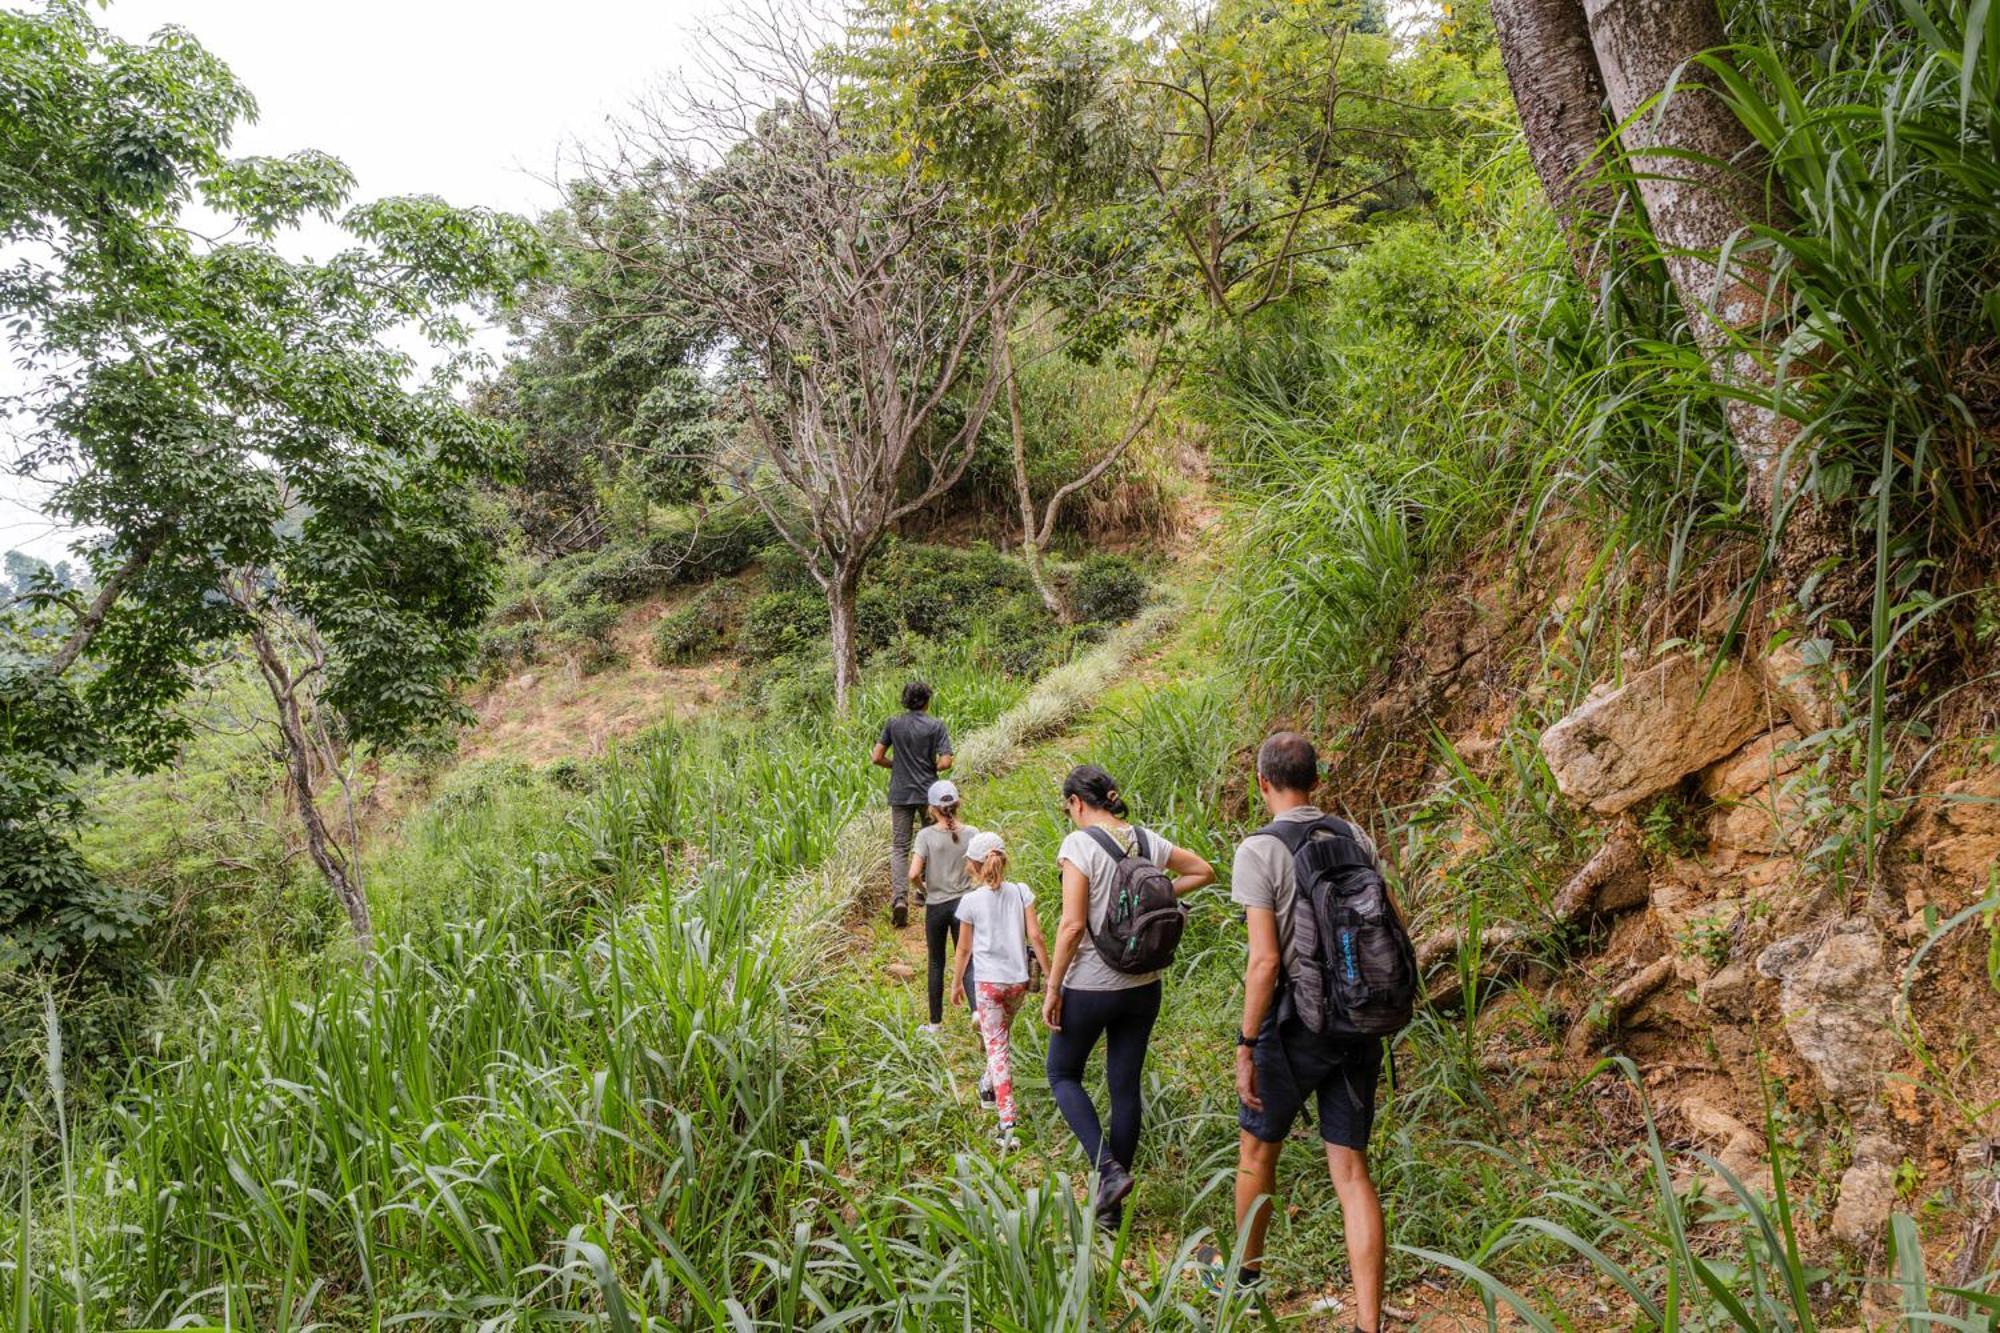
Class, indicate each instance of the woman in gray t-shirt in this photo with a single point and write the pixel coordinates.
(937, 872)
(1088, 998)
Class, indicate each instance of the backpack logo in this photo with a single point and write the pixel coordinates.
(1354, 969)
(1145, 919)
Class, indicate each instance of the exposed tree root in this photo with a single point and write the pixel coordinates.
(1611, 881)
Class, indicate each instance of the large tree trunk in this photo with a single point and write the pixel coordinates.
(324, 852)
(841, 593)
(1545, 45)
(1031, 537)
(1700, 195)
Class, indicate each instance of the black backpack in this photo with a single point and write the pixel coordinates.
(1354, 971)
(1143, 924)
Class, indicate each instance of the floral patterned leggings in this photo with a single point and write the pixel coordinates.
(997, 1006)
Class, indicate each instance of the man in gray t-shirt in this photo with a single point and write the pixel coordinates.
(1262, 877)
(915, 747)
(1279, 1064)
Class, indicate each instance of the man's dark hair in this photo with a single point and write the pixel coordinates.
(917, 696)
(1288, 762)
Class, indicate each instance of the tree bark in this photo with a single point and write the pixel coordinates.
(1552, 69)
(100, 606)
(842, 591)
(1701, 194)
(320, 846)
(1031, 536)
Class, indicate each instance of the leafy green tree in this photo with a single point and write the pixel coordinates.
(1265, 134)
(234, 425)
(604, 380)
(1017, 105)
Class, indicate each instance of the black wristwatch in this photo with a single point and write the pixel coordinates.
(1242, 1040)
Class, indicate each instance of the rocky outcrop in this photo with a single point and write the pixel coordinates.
(1836, 995)
(1808, 694)
(1639, 740)
(1867, 1191)
(1962, 842)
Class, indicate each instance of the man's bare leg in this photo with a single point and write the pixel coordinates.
(1361, 1219)
(1256, 1187)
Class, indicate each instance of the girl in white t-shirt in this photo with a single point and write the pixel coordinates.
(996, 928)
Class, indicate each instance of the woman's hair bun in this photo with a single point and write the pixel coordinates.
(1093, 786)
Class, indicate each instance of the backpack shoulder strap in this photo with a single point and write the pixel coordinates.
(1294, 833)
(1107, 842)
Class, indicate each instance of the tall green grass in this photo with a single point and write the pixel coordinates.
(563, 1093)
(1671, 1271)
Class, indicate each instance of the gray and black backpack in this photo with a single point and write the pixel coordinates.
(1144, 920)
(1354, 970)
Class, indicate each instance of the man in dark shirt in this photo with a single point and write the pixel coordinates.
(915, 747)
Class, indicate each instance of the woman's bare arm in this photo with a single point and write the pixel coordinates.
(1190, 872)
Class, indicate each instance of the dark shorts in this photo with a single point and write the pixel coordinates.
(1293, 1064)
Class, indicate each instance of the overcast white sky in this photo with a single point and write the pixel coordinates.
(472, 101)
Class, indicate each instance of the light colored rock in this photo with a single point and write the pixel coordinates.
(1837, 996)
(1639, 987)
(1729, 991)
(1809, 695)
(1739, 1148)
(1637, 741)
(1624, 893)
(1756, 809)
(1712, 1122)
(1613, 880)
(1964, 844)
(1758, 767)
(900, 971)
(1761, 826)
(1867, 1192)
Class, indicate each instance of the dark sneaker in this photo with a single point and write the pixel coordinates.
(1114, 1182)
(1109, 1220)
(899, 915)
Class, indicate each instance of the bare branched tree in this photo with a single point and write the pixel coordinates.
(1038, 524)
(863, 301)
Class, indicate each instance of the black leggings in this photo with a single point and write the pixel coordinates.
(940, 925)
(1124, 1018)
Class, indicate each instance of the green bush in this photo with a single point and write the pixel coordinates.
(722, 544)
(701, 628)
(584, 630)
(784, 570)
(779, 623)
(1105, 589)
(938, 592)
(504, 648)
(1023, 638)
(797, 685)
(693, 550)
(569, 774)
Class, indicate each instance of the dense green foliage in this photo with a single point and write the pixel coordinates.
(233, 425)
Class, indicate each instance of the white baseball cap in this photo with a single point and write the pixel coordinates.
(943, 793)
(983, 845)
